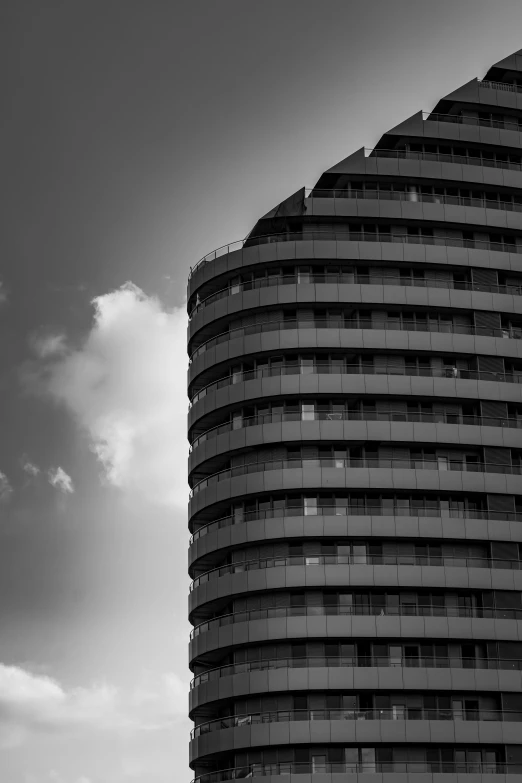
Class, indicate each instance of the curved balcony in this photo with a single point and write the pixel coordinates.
(330, 323)
(359, 510)
(329, 662)
(419, 610)
(443, 157)
(504, 86)
(400, 464)
(386, 416)
(329, 368)
(349, 278)
(482, 122)
(352, 236)
(335, 714)
(349, 560)
(333, 768)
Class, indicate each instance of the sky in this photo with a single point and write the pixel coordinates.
(136, 136)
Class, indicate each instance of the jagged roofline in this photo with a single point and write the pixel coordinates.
(512, 62)
(293, 205)
(465, 92)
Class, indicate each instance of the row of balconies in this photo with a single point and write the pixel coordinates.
(361, 509)
(276, 757)
(314, 366)
(413, 609)
(331, 662)
(398, 712)
(354, 559)
(400, 324)
(353, 277)
(427, 417)
(444, 462)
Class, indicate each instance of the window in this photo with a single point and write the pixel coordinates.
(308, 411)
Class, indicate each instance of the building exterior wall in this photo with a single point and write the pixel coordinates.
(355, 421)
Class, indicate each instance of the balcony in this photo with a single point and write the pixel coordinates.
(348, 278)
(504, 86)
(446, 157)
(462, 119)
(402, 767)
(445, 327)
(354, 415)
(410, 610)
(353, 369)
(357, 510)
(439, 464)
(330, 662)
(347, 236)
(309, 561)
(389, 713)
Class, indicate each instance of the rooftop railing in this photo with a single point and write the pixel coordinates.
(414, 417)
(346, 610)
(341, 767)
(384, 713)
(354, 661)
(331, 368)
(447, 327)
(407, 463)
(349, 278)
(356, 510)
(309, 561)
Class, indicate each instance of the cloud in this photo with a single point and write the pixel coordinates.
(125, 386)
(29, 467)
(34, 703)
(48, 344)
(6, 489)
(59, 479)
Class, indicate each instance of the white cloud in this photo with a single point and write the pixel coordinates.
(29, 467)
(59, 479)
(126, 388)
(48, 344)
(31, 703)
(5, 488)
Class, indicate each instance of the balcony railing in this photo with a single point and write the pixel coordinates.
(330, 368)
(445, 561)
(463, 119)
(308, 768)
(414, 417)
(409, 610)
(350, 278)
(351, 236)
(511, 333)
(356, 510)
(411, 463)
(385, 713)
(447, 157)
(505, 86)
(354, 661)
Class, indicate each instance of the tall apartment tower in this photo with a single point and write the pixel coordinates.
(356, 465)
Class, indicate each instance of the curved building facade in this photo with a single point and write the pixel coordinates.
(356, 464)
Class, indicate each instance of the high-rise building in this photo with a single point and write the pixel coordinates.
(356, 463)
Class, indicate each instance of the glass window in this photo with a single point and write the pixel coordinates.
(368, 759)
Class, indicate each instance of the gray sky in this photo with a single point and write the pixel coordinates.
(136, 137)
